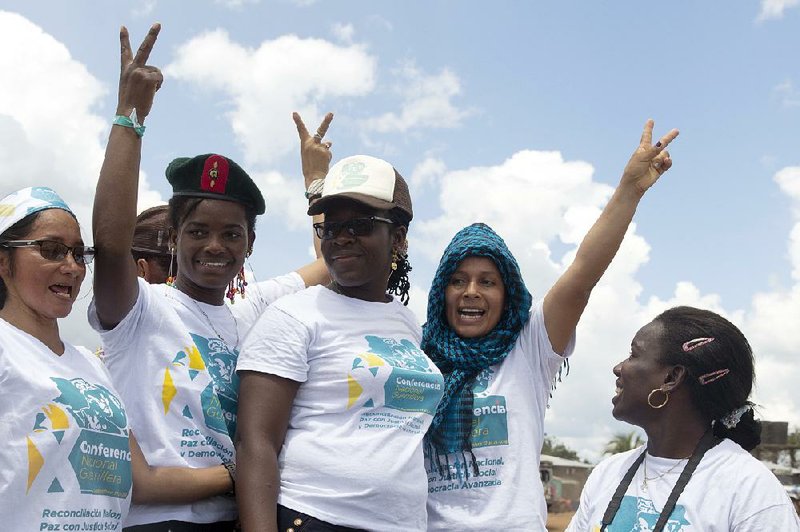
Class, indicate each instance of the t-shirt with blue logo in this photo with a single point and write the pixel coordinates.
(729, 491)
(352, 455)
(173, 360)
(509, 403)
(66, 460)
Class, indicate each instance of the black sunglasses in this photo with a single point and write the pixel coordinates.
(55, 251)
(354, 227)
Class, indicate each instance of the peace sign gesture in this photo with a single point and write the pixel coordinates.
(649, 161)
(138, 82)
(315, 154)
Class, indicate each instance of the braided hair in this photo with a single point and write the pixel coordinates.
(399, 283)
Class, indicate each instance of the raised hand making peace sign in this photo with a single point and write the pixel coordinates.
(649, 161)
(138, 81)
(315, 154)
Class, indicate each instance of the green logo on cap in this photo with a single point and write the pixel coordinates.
(352, 176)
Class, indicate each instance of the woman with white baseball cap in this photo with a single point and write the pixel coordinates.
(336, 394)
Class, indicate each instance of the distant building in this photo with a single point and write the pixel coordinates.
(780, 456)
(566, 482)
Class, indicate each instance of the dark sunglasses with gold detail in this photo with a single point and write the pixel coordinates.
(354, 227)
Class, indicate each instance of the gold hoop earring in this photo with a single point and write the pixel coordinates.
(666, 399)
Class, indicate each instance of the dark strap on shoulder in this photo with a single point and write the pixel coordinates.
(616, 500)
(706, 442)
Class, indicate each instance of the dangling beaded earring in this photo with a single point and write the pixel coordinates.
(395, 258)
(170, 278)
(237, 284)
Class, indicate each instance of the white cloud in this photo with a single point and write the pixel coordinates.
(343, 32)
(284, 198)
(788, 180)
(771, 324)
(529, 199)
(773, 9)
(235, 4)
(426, 172)
(788, 95)
(418, 301)
(264, 85)
(50, 135)
(145, 8)
(426, 102)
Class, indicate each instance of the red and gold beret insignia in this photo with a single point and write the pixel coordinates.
(215, 174)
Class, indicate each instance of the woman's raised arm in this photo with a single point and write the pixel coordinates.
(566, 300)
(316, 159)
(114, 217)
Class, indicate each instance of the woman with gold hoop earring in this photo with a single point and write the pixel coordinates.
(652, 393)
(694, 472)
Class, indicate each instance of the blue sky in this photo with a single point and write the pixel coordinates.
(520, 114)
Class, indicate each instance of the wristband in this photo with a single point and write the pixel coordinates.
(315, 189)
(131, 121)
(231, 467)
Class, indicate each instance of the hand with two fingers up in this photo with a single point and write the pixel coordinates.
(649, 161)
(138, 81)
(314, 152)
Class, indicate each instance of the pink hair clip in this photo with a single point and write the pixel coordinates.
(712, 376)
(694, 344)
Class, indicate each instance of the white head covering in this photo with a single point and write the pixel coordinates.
(21, 203)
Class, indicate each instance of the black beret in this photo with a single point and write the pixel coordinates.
(214, 176)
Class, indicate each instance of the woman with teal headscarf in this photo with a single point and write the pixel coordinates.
(501, 352)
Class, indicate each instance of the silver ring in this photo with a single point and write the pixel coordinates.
(317, 136)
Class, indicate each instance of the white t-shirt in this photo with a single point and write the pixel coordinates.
(65, 455)
(352, 455)
(510, 399)
(177, 378)
(729, 491)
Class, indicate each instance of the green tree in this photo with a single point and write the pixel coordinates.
(553, 447)
(623, 441)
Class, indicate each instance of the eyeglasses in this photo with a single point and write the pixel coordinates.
(55, 251)
(354, 227)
